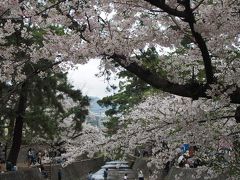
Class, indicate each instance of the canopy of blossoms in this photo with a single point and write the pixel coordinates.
(119, 29)
(166, 122)
(85, 143)
(203, 37)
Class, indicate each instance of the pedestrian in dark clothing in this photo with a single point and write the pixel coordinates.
(59, 174)
(105, 174)
(30, 157)
(2, 158)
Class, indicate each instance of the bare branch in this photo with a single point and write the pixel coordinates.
(50, 7)
(198, 5)
(187, 90)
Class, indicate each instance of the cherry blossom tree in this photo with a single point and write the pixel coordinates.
(198, 32)
(98, 25)
(202, 38)
(165, 122)
(88, 142)
(51, 108)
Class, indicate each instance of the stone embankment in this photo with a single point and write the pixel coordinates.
(75, 171)
(118, 175)
(174, 172)
(80, 169)
(26, 174)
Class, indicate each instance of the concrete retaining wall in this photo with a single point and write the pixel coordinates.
(114, 174)
(141, 164)
(27, 174)
(78, 170)
(74, 171)
(188, 174)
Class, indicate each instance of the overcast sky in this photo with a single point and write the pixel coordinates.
(84, 78)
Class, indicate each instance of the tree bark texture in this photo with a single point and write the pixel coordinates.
(17, 133)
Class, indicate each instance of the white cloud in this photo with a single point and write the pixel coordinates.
(84, 78)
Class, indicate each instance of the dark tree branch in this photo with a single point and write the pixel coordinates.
(193, 90)
(50, 7)
(5, 12)
(188, 16)
(75, 25)
(197, 5)
(201, 44)
(162, 5)
(216, 119)
(188, 90)
(17, 134)
(188, 35)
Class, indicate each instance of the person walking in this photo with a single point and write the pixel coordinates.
(2, 158)
(140, 175)
(30, 157)
(105, 174)
(39, 157)
(125, 177)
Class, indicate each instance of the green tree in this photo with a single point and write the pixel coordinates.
(131, 91)
(39, 109)
(46, 112)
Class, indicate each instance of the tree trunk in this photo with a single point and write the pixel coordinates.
(17, 133)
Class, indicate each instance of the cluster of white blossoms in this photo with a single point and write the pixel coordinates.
(163, 123)
(97, 28)
(88, 142)
(174, 120)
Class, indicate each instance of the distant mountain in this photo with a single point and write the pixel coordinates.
(95, 108)
(96, 113)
